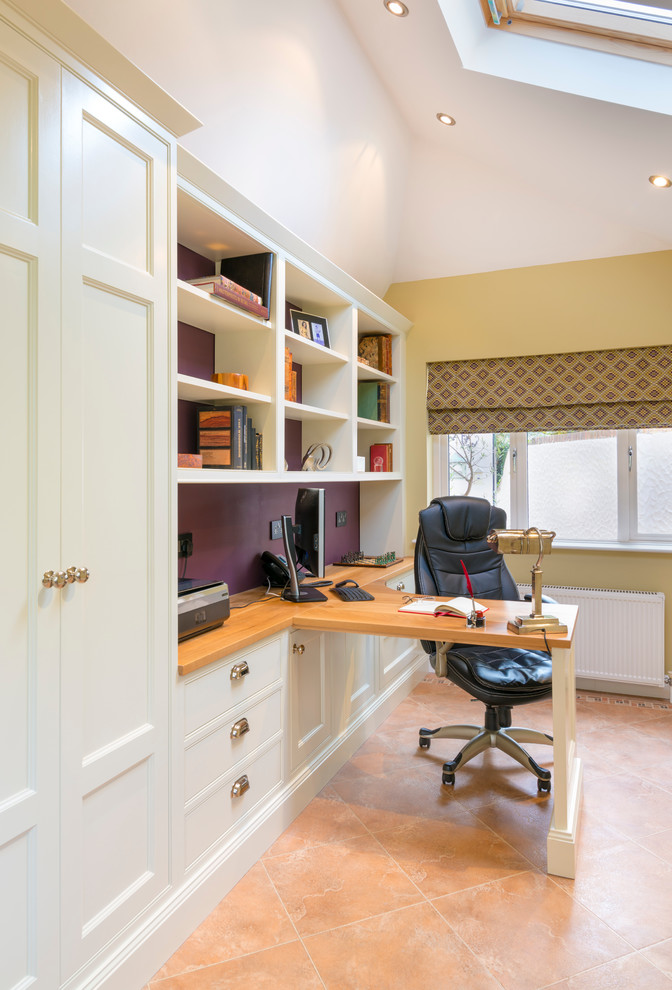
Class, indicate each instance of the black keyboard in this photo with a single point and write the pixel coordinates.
(349, 591)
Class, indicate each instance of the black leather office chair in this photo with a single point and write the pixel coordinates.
(454, 528)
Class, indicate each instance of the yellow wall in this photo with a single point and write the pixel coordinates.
(582, 305)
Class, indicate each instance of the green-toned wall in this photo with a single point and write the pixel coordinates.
(582, 305)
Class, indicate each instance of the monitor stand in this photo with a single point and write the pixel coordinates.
(305, 594)
(295, 592)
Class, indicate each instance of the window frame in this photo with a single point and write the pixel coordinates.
(629, 538)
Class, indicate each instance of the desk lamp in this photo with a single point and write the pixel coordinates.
(530, 540)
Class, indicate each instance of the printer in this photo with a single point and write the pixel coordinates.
(201, 605)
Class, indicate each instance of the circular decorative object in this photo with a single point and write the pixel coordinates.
(316, 457)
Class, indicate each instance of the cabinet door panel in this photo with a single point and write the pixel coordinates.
(30, 502)
(117, 652)
(309, 701)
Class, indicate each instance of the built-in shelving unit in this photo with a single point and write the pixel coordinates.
(214, 222)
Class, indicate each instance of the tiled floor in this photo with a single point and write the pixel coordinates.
(390, 880)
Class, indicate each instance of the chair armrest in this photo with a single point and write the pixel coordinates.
(544, 598)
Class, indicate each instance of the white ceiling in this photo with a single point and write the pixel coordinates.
(529, 175)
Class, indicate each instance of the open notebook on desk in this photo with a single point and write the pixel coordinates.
(460, 607)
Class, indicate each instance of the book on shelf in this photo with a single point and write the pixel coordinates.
(253, 271)
(380, 457)
(457, 607)
(227, 438)
(221, 292)
(214, 437)
(375, 350)
(373, 401)
(209, 283)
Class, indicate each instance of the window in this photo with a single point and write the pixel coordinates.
(642, 30)
(596, 486)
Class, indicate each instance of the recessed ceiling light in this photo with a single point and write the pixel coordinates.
(445, 118)
(396, 8)
(660, 181)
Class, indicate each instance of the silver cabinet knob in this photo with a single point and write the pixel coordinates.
(46, 578)
(298, 649)
(240, 786)
(59, 579)
(400, 586)
(239, 728)
(80, 574)
(239, 670)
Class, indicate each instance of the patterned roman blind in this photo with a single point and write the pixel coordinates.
(628, 388)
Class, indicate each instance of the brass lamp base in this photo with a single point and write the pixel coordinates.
(531, 623)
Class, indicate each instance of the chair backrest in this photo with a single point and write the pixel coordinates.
(454, 528)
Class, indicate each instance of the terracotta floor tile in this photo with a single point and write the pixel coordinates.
(411, 949)
(523, 824)
(661, 727)
(627, 746)
(250, 918)
(629, 888)
(326, 819)
(528, 932)
(630, 805)
(661, 956)
(399, 797)
(628, 973)
(443, 857)
(286, 967)
(339, 883)
(660, 844)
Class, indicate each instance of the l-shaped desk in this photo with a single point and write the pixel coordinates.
(381, 617)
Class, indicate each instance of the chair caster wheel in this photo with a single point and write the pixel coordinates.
(447, 778)
(544, 785)
(423, 742)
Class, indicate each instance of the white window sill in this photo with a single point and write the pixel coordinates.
(613, 546)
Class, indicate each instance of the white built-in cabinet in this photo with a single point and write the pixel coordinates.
(86, 650)
(132, 799)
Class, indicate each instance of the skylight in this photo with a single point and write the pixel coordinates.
(640, 30)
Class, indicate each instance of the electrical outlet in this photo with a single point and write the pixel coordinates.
(341, 518)
(185, 545)
(276, 529)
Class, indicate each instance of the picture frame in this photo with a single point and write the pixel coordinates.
(311, 327)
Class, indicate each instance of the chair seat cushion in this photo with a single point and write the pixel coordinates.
(501, 669)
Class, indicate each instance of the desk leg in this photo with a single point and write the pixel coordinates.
(567, 770)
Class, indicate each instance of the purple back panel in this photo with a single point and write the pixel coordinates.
(230, 525)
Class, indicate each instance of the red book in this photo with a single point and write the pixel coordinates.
(380, 457)
(247, 304)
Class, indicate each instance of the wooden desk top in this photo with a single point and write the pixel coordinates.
(379, 618)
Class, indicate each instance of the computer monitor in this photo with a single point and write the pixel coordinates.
(309, 530)
(296, 592)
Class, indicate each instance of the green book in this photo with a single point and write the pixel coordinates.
(367, 400)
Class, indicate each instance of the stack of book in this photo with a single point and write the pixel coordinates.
(227, 439)
(380, 457)
(373, 401)
(375, 350)
(245, 282)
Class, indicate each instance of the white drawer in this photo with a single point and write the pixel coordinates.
(209, 820)
(219, 751)
(215, 689)
(402, 582)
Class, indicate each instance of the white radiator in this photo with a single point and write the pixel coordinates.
(620, 635)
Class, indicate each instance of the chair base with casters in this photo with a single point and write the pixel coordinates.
(498, 733)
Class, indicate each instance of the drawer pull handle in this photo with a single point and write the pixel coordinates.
(239, 728)
(239, 670)
(300, 649)
(400, 586)
(240, 786)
